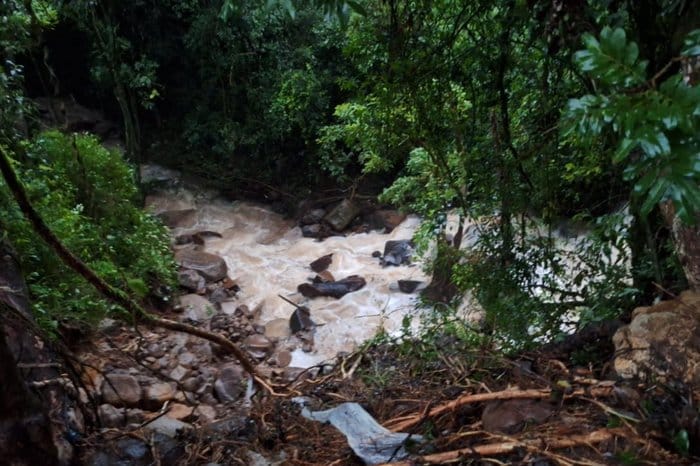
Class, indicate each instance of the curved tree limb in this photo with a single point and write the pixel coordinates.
(105, 289)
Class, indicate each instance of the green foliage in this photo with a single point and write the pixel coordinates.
(658, 126)
(260, 83)
(682, 442)
(86, 194)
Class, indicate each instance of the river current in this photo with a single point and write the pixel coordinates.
(267, 256)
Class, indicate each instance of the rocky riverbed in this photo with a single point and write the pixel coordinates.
(292, 299)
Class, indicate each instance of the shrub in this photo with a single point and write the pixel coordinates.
(87, 196)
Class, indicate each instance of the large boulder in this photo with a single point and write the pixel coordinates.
(662, 341)
(342, 214)
(385, 220)
(185, 218)
(211, 267)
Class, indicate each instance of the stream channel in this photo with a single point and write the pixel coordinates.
(267, 256)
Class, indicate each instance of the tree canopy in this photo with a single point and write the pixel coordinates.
(522, 115)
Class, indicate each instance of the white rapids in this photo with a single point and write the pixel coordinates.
(267, 255)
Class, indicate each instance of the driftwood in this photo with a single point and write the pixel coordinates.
(493, 449)
(113, 294)
(406, 422)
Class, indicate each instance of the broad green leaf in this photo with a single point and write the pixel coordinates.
(623, 150)
(654, 196)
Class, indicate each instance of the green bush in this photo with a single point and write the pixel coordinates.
(87, 196)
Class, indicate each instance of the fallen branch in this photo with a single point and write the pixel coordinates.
(406, 422)
(105, 289)
(503, 448)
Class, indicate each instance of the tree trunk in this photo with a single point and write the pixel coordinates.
(25, 429)
(686, 238)
(686, 241)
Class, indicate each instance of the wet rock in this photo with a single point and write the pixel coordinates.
(191, 384)
(219, 295)
(377, 254)
(156, 350)
(179, 373)
(229, 385)
(205, 413)
(324, 277)
(411, 286)
(312, 217)
(397, 252)
(277, 328)
(124, 451)
(313, 231)
(661, 342)
(171, 451)
(180, 412)
(110, 416)
(512, 416)
(121, 390)
(341, 215)
(301, 319)
(336, 289)
(231, 285)
(155, 394)
(385, 220)
(211, 267)
(187, 359)
(322, 263)
(191, 280)
(167, 426)
(282, 359)
(258, 343)
(196, 238)
(65, 112)
(196, 308)
(185, 218)
(134, 416)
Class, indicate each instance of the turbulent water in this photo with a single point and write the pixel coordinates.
(267, 255)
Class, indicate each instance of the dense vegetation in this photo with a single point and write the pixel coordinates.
(529, 115)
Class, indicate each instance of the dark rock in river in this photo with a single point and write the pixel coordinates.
(313, 216)
(397, 252)
(385, 220)
(322, 263)
(333, 289)
(312, 231)
(411, 286)
(301, 319)
(179, 218)
(191, 280)
(211, 267)
(342, 214)
(324, 277)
